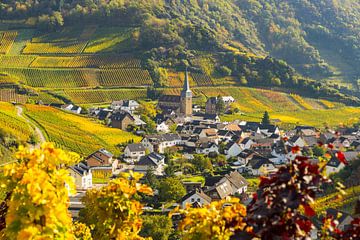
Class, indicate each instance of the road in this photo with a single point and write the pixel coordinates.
(38, 132)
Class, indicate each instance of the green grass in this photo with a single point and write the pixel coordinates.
(112, 39)
(194, 179)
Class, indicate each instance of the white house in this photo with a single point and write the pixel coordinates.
(207, 147)
(260, 166)
(246, 143)
(195, 198)
(82, 175)
(125, 105)
(232, 150)
(71, 108)
(162, 127)
(158, 143)
(133, 152)
(297, 141)
(228, 99)
(333, 166)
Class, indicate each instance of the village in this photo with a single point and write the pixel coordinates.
(195, 158)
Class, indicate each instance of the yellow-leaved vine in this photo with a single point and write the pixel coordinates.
(113, 210)
(39, 186)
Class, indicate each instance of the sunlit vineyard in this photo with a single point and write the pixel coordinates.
(54, 78)
(176, 79)
(10, 95)
(76, 133)
(12, 124)
(46, 98)
(6, 41)
(16, 61)
(51, 62)
(125, 77)
(301, 101)
(103, 96)
(274, 100)
(55, 48)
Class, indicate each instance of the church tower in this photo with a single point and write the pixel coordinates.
(186, 98)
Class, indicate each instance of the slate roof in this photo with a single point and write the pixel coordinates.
(80, 168)
(104, 114)
(167, 137)
(170, 98)
(119, 116)
(257, 161)
(333, 162)
(136, 147)
(105, 152)
(153, 159)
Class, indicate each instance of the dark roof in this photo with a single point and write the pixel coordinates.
(105, 152)
(104, 114)
(205, 145)
(80, 168)
(153, 159)
(210, 116)
(257, 161)
(270, 128)
(237, 179)
(212, 100)
(119, 116)
(334, 162)
(167, 137)
(169, 98)
(211, 180)
(136, 147)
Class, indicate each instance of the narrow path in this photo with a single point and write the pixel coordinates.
(38, 132)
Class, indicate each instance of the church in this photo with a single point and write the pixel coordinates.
(181, 105)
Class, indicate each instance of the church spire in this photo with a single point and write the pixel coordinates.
(186, 87)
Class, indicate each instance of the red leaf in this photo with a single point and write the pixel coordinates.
(309, 211)
(304, 225)
(295, 149)
(320, 144)
(330, 146)
(341, 157)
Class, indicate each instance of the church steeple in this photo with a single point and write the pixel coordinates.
(186, 97)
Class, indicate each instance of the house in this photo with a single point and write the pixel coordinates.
(101, 157)
(204, 132)
(229, 185)
(228, 99)
(104, 114)
(246, 143)
(153, 161)
(158, 143)
(306, 131)
(122, 120)
(343, 218)
(82, 175)
(297, 141)
(207, 148)
(162, 127)
(259, 166)
(245, 156)
(134, 151)
(232, 149)
(125, 105)
(334, 165)
(269, 130)
(210, 107)
(71, 108)
(196, 198)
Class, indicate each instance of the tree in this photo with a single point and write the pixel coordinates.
(157, 227)
(202, 163)
(220, 105)
(266, 119)
(318, 151)
(171, 189)
(38, 196)
(113, 209)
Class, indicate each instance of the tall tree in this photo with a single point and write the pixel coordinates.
(266, 119)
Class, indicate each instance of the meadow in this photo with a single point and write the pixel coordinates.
(76, 133)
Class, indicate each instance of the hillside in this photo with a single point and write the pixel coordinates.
(237, 42)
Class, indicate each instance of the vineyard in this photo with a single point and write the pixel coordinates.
(79, 134)
(10, 95)
(302, 103)
(125, 78)
(16, 61)
(55, 48)
(103, 96)
(12, 124)
(202, 79)
(6, 41)
(337, 200)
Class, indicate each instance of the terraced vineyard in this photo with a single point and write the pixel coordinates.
(125, 78)
(202, 79)
(54, 78)
(6, 41)
(10, 95)
(304, 104)
(103, 96)
(12, 124)
(55, 48)
(16, 61)
(80, 134)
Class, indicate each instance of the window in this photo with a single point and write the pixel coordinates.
(192, 200)
(198, 199)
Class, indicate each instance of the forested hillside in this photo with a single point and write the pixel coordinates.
(256, 43)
